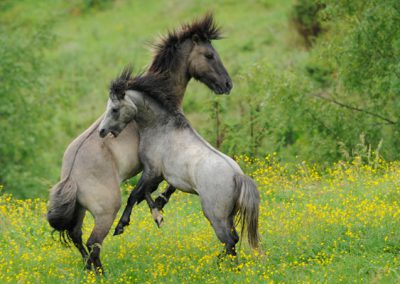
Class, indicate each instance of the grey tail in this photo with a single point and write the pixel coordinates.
(61, 213)
(247, 208)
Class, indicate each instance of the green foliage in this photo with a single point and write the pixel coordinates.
(305, 16)
(362, 52)
(96, 4)
(345, 88)
(25, 111)
(304, 104)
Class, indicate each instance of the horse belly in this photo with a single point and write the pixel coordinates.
(181, 184)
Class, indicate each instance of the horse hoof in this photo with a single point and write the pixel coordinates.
(158, 218)
(159, 221)
(99, 271)
(118, 230)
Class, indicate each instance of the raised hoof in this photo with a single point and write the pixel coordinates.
(118, 230)
(158, 218)
(160, 202)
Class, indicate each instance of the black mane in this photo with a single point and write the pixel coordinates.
(165, 51)
(154, 85)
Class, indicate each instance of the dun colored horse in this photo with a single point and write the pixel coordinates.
(93, 168)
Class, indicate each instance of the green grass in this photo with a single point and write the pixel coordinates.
(338, 226)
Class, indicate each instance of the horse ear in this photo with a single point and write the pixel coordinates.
(195, 38)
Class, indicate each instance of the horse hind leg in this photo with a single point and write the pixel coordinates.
(76, 233)
(223, 228)
(103, 204)
(233, 233)
(101, 228)
(227, 235)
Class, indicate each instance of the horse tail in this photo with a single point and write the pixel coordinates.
(247, 208)
(62, 208)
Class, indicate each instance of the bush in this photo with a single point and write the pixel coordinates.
(362, 49)
(305, 17)
(347, 87)
(25, 111)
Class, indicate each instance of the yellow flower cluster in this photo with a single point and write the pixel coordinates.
(334, 225)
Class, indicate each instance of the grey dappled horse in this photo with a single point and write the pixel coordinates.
(171, 149)
(93, 168)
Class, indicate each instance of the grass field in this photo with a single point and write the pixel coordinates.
(336, 226)
(323, 223)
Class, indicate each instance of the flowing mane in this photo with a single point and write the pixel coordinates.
(166, 49)
(154, 85)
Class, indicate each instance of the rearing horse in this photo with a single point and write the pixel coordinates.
(93, 168)
(171, 149)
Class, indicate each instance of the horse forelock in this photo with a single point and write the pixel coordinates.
(165, 51)
(118, 86)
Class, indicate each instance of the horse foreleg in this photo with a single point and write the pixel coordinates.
(163, 198)
(154, 209)
(125, 218)
(157, 216)
(138, 194)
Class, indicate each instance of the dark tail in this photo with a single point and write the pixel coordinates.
(61, 213)
(247, 208)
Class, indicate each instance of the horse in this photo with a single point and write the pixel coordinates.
(93, 168)
(170, 149)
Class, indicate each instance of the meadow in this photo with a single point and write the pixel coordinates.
(335, 226)
(313, 118)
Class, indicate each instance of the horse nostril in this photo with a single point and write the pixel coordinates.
(102, 132)
(228, 84)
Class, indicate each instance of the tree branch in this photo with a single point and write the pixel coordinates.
(329, 99)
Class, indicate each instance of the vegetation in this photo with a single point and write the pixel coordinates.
(322, 103)
(315, 81)
(336, 225)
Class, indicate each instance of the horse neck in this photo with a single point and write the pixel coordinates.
(179, 81)
(179, 74)
(148, 111)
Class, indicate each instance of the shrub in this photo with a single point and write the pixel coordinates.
(305, 17)
(25, 111)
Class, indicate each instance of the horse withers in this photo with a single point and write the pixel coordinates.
(171, 149)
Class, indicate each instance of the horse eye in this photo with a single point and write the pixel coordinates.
(114, 110)
(209, 55)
